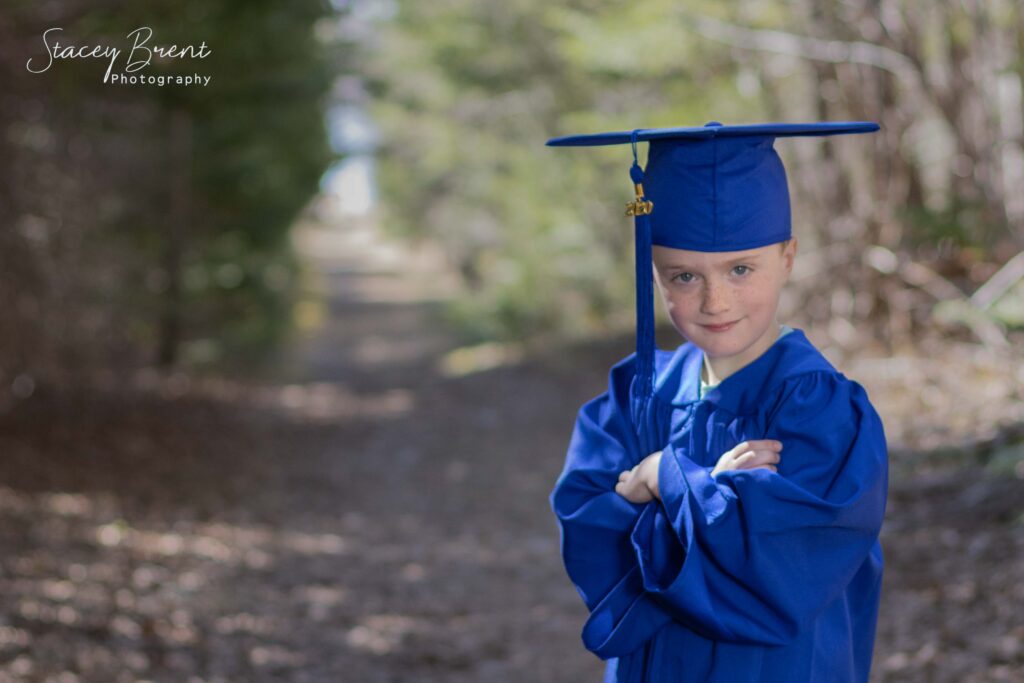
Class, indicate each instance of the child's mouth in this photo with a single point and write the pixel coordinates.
(720, 328)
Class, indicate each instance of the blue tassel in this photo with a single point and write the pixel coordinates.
(645, 342)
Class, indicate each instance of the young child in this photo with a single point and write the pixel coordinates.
(720, 504)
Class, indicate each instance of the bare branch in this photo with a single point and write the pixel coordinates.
(1000, 283)
(804, 47)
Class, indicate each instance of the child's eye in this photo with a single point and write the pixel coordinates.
(741, 270)
(684, 277)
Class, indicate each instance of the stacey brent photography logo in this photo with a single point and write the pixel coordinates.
(139, 56)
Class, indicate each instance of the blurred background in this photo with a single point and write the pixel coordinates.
(289, 361)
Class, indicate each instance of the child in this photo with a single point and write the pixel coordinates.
(721, 503)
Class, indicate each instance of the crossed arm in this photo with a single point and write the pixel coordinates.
(709, 555)
(640, 484)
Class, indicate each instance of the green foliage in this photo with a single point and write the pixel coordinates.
(256, 148)
(962, 223)
(1007, 460)
(466, 93)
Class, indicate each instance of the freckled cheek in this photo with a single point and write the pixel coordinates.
(682, 308)
(762, 289)
(755, 290)
(756, 298)
(760, 295)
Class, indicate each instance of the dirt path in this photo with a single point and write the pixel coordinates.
(357, 513)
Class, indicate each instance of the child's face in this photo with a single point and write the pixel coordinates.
(702, 290)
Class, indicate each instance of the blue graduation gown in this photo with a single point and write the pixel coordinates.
(751, 575)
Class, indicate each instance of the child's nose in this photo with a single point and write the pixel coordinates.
(715, 300)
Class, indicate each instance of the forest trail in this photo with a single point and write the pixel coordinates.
(372, 508)
(365, 508)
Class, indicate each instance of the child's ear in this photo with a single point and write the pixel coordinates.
(789, 255)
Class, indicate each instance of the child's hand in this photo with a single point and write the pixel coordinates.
(750, 455)
(640, 484)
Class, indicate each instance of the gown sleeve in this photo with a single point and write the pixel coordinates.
(752, 556)
(596, 523)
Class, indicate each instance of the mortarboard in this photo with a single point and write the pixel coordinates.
(709, 188)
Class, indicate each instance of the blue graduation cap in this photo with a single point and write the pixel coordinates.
(709, 188)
